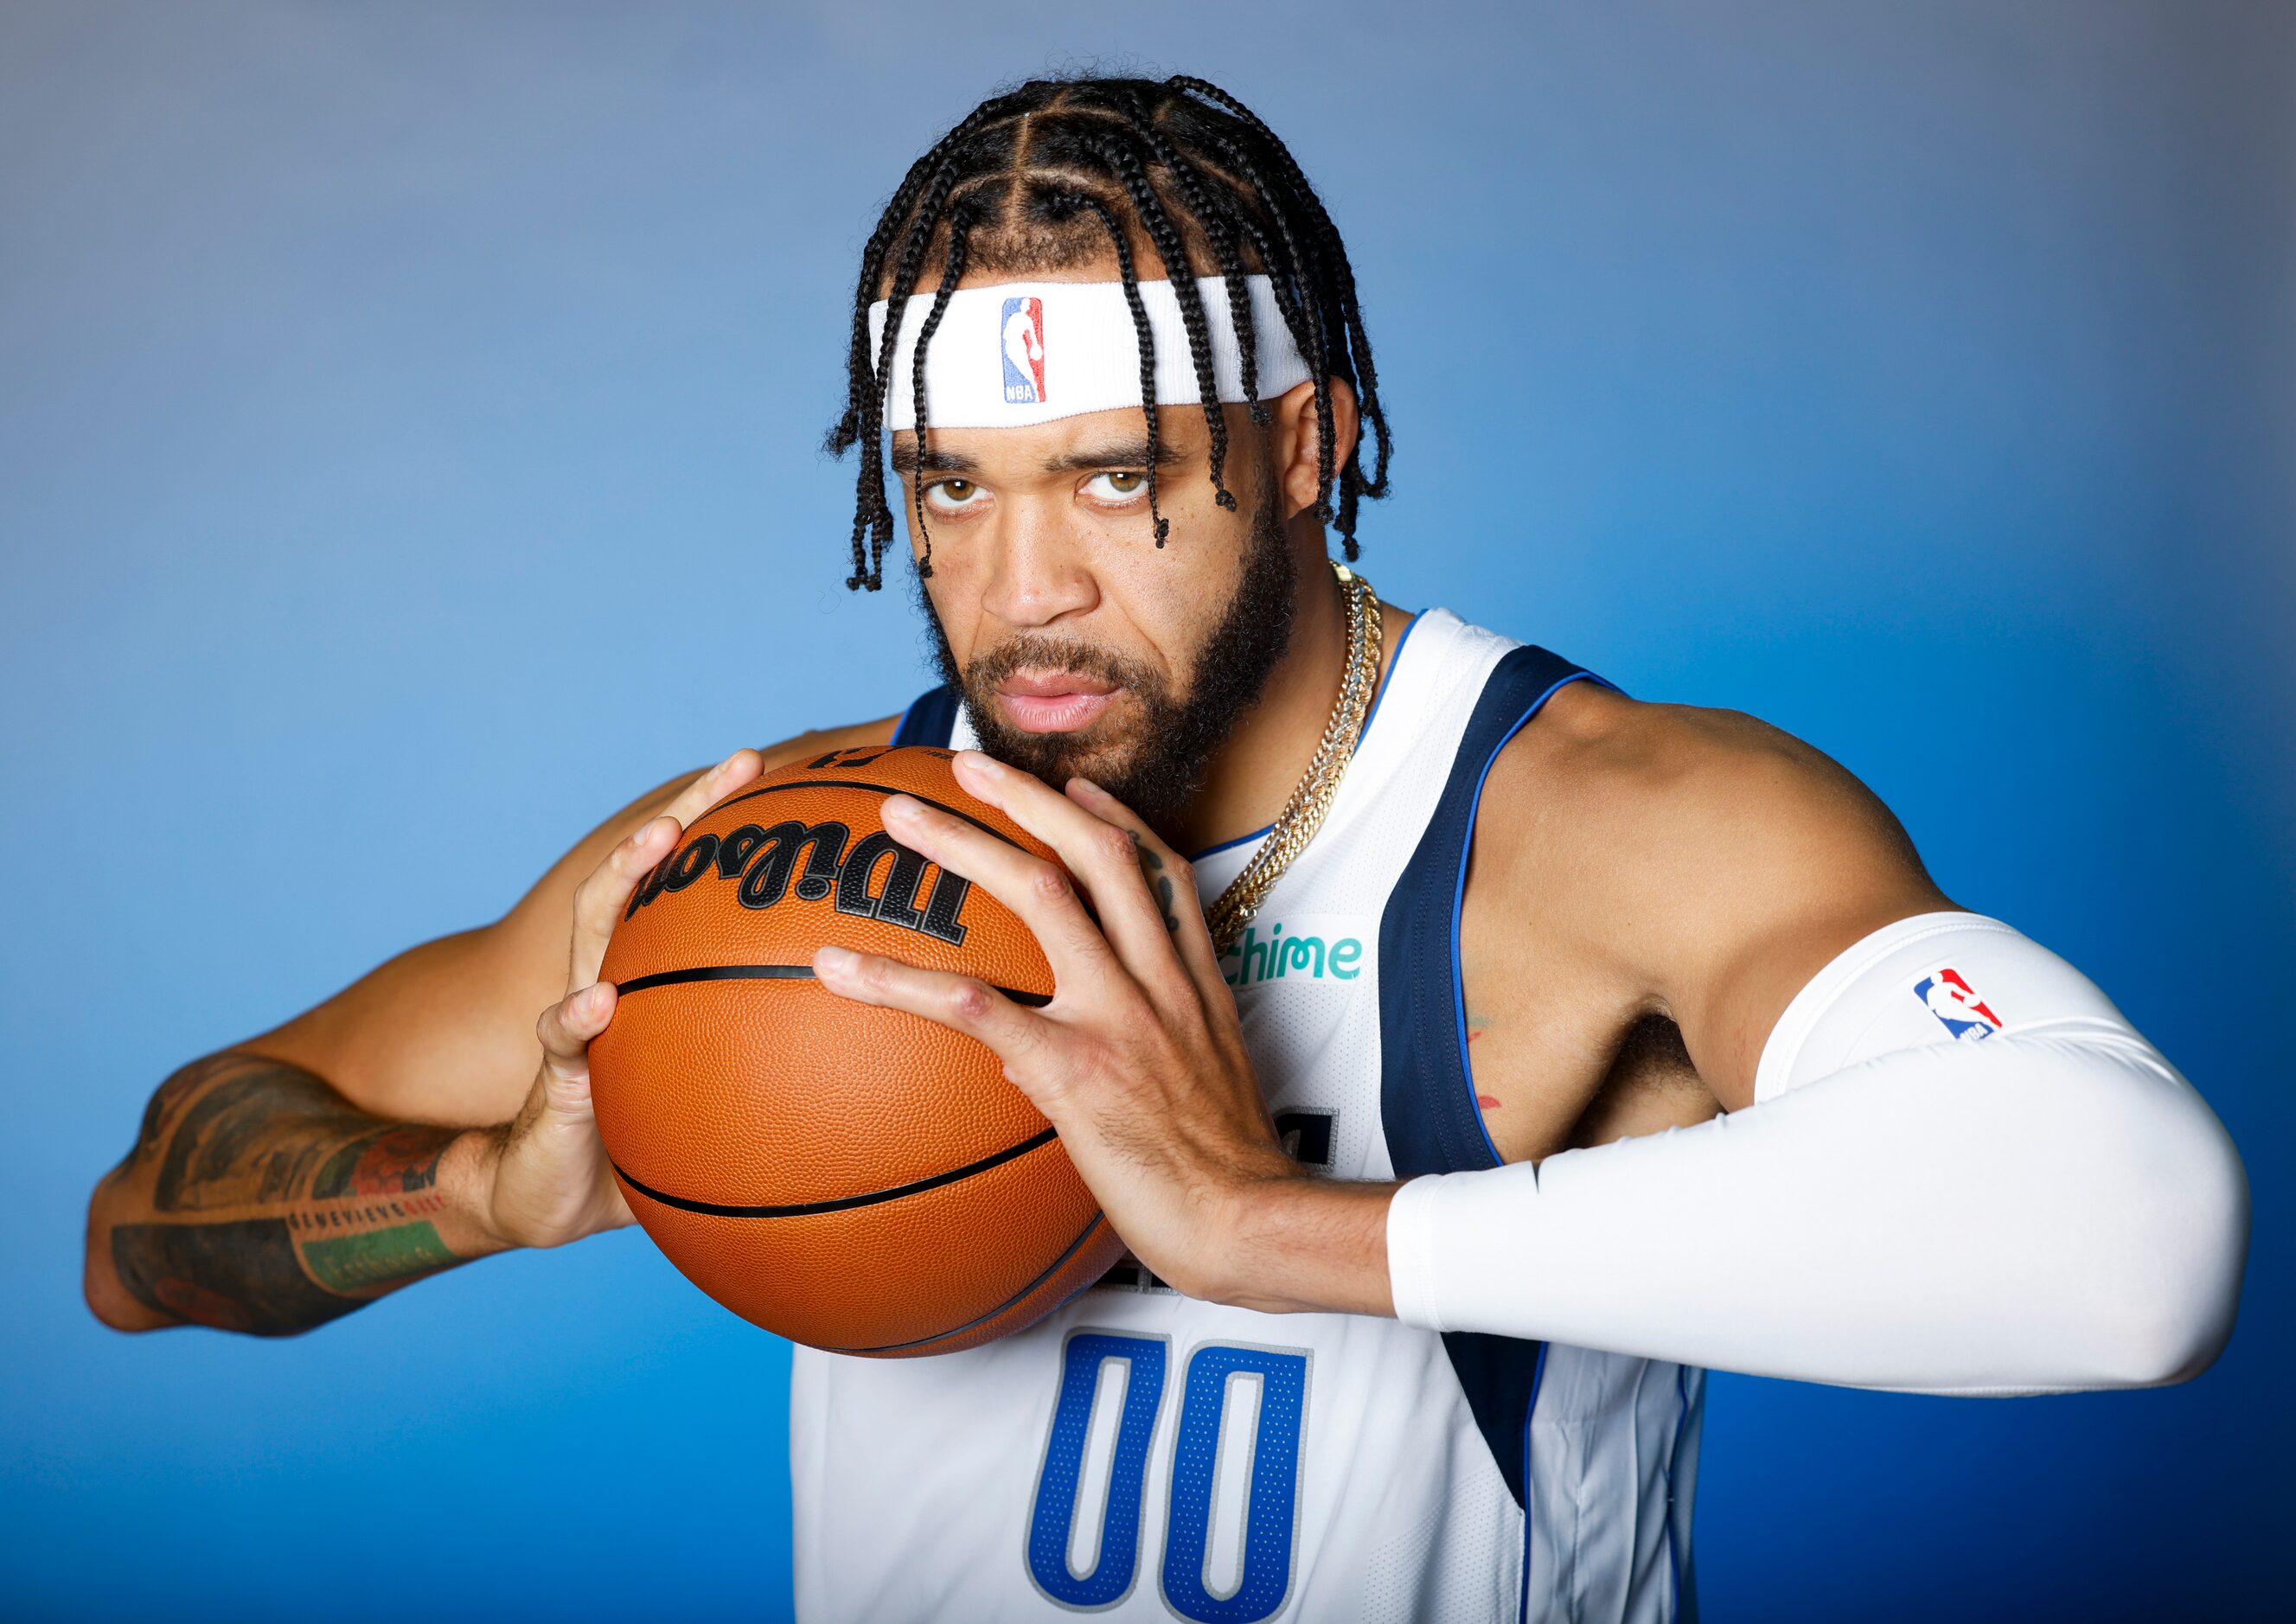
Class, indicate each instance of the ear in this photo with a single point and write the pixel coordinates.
(1298, 464)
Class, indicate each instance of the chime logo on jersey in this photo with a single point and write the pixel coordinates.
(1306, 948)
(1948, 996)
(1023, 331)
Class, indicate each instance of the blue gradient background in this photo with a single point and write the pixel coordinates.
(407, 426)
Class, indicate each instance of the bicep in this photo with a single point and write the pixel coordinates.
(1805, 862)
(1699, 863)
(445, 1032)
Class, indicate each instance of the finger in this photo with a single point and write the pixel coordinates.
(600, 899)
(1033, 887)
(1171, 880)
(566, 1029)
(1103, 858)
(1017, 1036)
(713, 786)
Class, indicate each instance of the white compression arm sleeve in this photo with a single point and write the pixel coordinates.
(1964, 1172)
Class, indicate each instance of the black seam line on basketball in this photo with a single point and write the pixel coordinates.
(843, 1204)
(1021, 1296)
(862, 783)
(774, 972)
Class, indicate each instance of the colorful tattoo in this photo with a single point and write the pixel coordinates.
(350, 1263)
(241, 1275)
(295, 1207)
(396, 1161)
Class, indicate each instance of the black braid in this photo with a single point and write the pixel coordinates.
(1316, 287)
(1234, 275)
(1202, 178)
(1333, 258)
(1232, 271)
(922, 194)
(1307, 335)
(1149, 209)
(935, 166)
(872, 511)
(961, 221)
(1147, 338)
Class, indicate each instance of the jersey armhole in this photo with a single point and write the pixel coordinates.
(1427, 1096)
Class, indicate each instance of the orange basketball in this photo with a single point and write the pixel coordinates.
(860, 1179)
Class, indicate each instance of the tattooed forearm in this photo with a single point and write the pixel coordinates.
(259, 1199)
(239, 1274)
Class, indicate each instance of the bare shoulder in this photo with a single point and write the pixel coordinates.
(1689, 783)
(1689, 849)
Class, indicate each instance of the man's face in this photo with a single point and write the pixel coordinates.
(1081, 647)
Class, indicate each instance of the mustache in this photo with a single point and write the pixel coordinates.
(1032, 652)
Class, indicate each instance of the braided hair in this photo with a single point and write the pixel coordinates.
(1056, 173)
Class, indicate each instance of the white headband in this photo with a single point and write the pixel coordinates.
(1027, 352)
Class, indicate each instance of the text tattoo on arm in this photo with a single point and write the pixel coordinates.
(275, 1204)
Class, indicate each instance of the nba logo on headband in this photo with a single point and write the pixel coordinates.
(1102, 350)
(1023, 334)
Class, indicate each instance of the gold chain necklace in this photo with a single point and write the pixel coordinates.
(1237, 906)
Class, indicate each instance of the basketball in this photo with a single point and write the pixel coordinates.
(859, 1179)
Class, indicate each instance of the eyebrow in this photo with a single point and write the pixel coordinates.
(1111, 454)
(1115, 454)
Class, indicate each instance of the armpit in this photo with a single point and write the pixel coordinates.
(1651, 1085)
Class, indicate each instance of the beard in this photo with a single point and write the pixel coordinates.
(1157, 763)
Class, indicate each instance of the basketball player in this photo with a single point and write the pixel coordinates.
(1549, 1049)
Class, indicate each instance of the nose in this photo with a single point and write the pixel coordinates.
(1040, 575)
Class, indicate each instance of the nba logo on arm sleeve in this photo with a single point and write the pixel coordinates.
(1948, 996)
(1023, 331)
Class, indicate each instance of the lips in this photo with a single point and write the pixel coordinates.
(1054, 701)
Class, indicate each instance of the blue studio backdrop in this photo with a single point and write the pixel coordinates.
(409, 426)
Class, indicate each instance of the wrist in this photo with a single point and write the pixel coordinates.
(1301, 1242)
(467, 1178)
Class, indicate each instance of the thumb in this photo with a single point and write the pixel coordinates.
(566, 1029)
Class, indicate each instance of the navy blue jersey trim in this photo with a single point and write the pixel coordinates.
(1685, 1596)
(1427, 1094)
(1458, 906)
(929, 719)
(1537, 1375)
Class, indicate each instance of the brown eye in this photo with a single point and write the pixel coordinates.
(948, 495)
(1116, 487)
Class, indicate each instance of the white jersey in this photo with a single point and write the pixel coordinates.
(1145, 1456)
